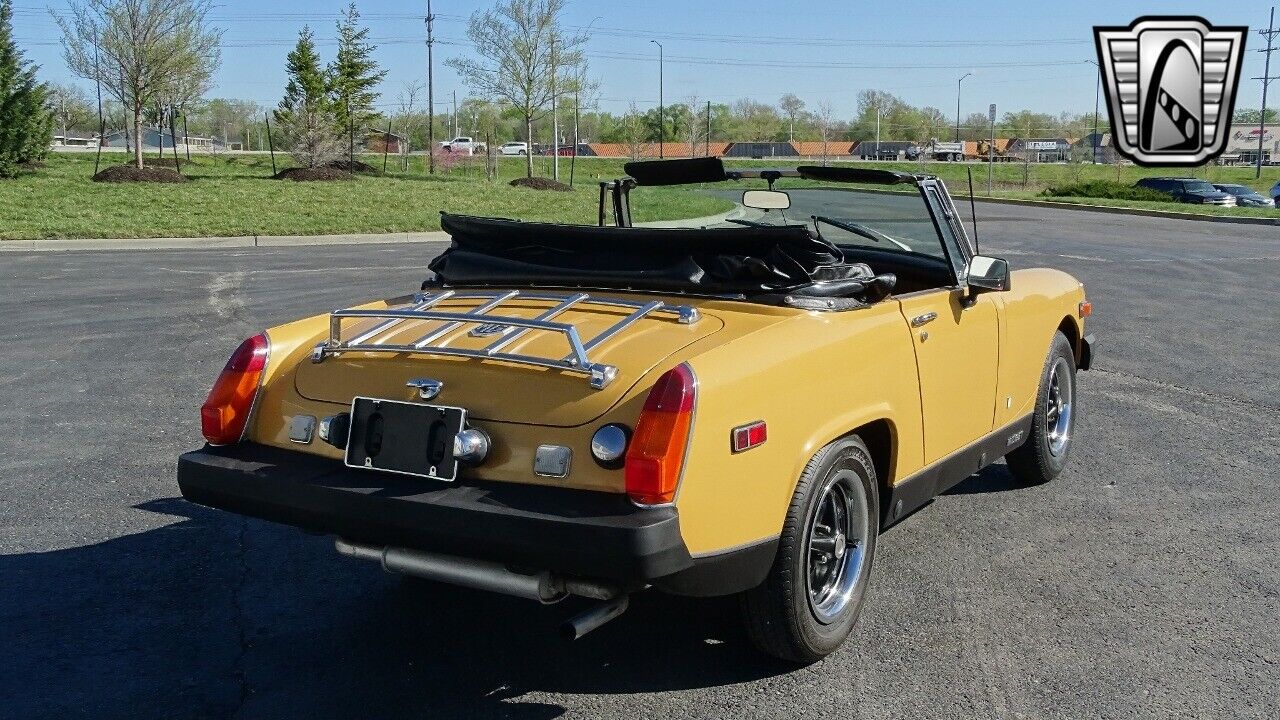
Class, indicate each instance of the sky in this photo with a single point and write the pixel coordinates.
(1023, 55)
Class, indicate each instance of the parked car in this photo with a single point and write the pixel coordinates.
(734, 409)
(1188, 190)
(514, 148)
(1246, 196)
(463, 144)
(562, 151)
(1275, 193)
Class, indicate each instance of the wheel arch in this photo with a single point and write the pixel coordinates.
(1070, 327)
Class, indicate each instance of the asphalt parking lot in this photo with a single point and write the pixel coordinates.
(1142, 583)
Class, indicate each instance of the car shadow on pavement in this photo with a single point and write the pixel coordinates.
(216, 615)
(990, 479)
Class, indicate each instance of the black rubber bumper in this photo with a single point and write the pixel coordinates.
(575, 532)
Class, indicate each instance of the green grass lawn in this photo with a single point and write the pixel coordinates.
(230, 196)
(234, 195)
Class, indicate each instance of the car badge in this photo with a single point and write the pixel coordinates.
(1171, 87)
(487, 329)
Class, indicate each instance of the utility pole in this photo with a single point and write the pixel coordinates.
(431, 99)
(991, 147)
(1270, 34)
(1097, 94)
(662, 111)
(962, 77)
(877, 132)
(708, 128)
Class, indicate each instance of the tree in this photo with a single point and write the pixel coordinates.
(25, 120)
(791, 106)
(354, 74)
(313, 136)
(824, 117)
(1252, 116)
(139, 49)
(520, 45)
(72, 109)
(308, 85)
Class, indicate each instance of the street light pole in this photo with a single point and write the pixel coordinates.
(662, 111)
(962, 77)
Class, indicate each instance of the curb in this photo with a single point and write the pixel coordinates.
(1110, 209)
(1169, 214)
(217, 243)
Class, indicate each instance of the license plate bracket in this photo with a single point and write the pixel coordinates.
(404, 438)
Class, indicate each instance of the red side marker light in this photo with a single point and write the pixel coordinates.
(1086, 309)
(748, 436)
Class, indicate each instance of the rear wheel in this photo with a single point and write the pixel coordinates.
(811, 598)
(1044, 453)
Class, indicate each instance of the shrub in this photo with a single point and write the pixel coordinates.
(1108, 189)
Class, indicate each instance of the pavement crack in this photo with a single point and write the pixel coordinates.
(1196, 392)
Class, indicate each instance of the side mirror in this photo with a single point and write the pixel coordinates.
(766, 199)
(988, 274)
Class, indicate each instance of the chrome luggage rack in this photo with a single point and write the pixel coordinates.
(507, 328)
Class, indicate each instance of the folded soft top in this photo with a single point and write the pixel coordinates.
(495, 251)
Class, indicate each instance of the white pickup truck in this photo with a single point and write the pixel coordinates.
(463, 144)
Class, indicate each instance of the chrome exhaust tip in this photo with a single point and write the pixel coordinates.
(584, 622)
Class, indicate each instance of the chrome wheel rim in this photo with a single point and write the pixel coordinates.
(1058, 407)
(836, 541)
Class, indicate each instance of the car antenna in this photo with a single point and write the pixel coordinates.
(973, 210)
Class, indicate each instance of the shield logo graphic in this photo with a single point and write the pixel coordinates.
(1171, 87)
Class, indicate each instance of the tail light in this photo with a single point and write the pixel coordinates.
(226, 411)
(656, 455)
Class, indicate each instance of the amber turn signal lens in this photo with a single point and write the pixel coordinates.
(226, 411)
(1086, 309)
(655, 457)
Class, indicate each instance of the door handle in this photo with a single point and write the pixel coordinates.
(922, 320)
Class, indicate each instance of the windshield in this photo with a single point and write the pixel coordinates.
(1199, 186)
(895, 221)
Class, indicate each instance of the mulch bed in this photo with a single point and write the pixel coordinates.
(538, 183)
(131, 173)
(313, 174)
(353, 167)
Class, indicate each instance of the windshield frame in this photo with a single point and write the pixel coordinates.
(956, 244)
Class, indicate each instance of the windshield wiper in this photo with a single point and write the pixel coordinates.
(862, 230)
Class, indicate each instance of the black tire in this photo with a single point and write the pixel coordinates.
(1041, 457)
(780, 615)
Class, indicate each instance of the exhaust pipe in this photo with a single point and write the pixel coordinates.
(477, 574)
(583, 623)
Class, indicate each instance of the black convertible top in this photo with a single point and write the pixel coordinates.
(738, 260)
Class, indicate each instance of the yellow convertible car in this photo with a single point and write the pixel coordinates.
(733, 406)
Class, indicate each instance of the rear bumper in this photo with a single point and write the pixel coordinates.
(572, 532)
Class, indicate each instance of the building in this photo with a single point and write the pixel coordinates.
(1242, 143)
(886, 150)
(1041, 150)
(1104, 151)
(74, 141)
(154, 139)
(380, 141)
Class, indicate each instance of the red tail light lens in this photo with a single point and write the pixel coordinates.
(226, 411)
(655, 457)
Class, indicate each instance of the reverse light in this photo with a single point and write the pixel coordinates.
(226, 411)
(655, 457)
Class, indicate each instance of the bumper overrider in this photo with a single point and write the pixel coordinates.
(528, 529)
